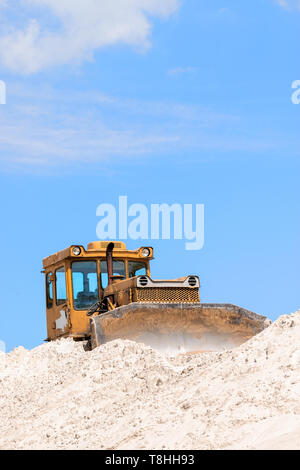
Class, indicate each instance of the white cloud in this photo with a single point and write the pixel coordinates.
(64, 31)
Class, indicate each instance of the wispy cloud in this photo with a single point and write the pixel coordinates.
(289, 4)
(46, 128)
(89, 126)
(37, 34)
(223, 11)
(182, 70)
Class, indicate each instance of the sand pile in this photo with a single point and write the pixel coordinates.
(125, 395)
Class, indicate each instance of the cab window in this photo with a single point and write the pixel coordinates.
(136, 268)
(85, 284)
(61, 290)
(118, 270)
(49, 288)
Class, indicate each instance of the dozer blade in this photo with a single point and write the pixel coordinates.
(178, 327)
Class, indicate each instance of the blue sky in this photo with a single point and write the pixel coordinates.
(162, 101)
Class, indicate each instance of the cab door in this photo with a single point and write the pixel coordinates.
(57, 303)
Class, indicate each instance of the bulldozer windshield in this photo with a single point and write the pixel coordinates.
(118, 270)
(85, 284)
(136, 268)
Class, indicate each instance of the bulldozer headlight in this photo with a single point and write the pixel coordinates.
(146, 252)
(76, 251)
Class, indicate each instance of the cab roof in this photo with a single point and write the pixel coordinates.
(96, 250)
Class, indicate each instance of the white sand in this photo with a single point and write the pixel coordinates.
(125, 395)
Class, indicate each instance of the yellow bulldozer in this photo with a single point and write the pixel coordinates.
(106, 292)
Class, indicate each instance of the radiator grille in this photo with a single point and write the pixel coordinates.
(168, 295)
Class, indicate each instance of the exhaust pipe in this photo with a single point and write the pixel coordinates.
(109, 261)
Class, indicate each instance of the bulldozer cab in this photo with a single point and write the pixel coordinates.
(76, 279)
